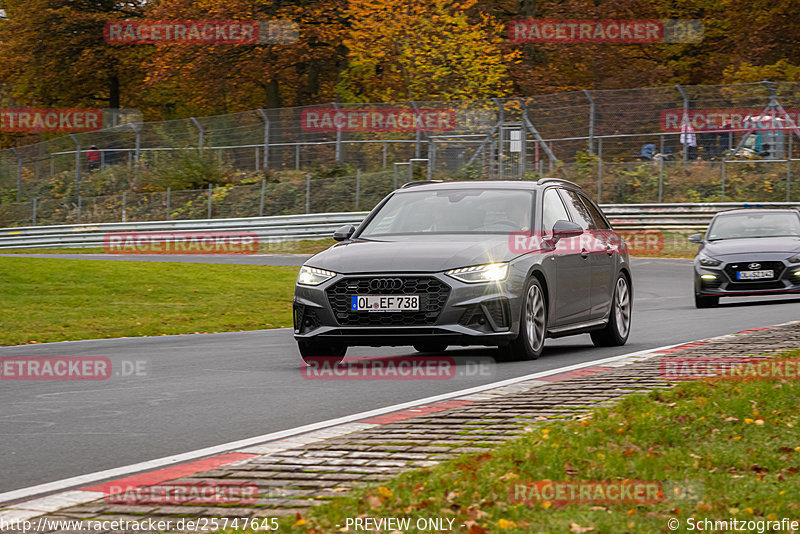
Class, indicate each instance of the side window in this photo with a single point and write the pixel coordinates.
(552, 209)
(580, 214)
(597, 217)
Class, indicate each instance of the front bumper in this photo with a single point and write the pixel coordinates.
(721, 280)
(451, 311)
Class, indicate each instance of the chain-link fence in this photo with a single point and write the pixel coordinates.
(680, 143)
(291, 197)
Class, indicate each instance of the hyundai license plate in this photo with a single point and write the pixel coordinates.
(754, 275)
(384, 303)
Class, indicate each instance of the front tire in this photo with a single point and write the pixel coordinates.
(618, 328)
(318, 353)
(532, 325)
(705, 302)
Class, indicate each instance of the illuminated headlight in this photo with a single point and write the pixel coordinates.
(795, 259)
(311, 276)
(707, 261)
(491, 272)
(708, 276)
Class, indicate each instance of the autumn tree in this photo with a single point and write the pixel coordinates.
(52, 53)
(424, 50)
(223, 78)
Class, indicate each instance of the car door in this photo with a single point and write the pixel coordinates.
(572, 269)
(601, 253)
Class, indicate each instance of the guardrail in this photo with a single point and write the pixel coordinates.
(322, 225)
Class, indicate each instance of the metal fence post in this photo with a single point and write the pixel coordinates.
(261, 201)
(124, 194)
(723, 181)
(35, 205)
(265, 159)
(77, 163)
(789, 171)
(308, 193)
(138, 148)
(500, 163)
(338, 156)
(79, 210)
(358, 185)
(661, 169)
(297, 157)
(384, 154)
(431, 157)
(19, 174)
(591, 121)
(210, 195)
(200, 134)
(599, 170)
(685, 121)
(169, 192)
(419, 133)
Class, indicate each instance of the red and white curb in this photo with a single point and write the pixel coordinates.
(91, 487)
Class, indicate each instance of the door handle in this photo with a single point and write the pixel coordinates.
(584, 253)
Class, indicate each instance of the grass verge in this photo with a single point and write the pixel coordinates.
(733, 446)
(304, 246)
(43, 300)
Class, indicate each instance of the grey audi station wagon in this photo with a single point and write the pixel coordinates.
(494, 263)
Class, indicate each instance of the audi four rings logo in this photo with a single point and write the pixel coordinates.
(377, 284)
(754, 266)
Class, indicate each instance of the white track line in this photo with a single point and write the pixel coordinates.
(82, 480)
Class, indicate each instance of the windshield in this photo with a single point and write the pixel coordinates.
(743, 225)
(453, 211)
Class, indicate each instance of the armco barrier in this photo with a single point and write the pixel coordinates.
(322, 225)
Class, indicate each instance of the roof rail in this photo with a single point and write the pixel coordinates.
(559, 180)
(415, 183)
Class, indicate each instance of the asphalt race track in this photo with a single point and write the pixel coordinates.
(203, 390)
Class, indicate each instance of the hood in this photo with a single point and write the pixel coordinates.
(413, 253)
(763, 245)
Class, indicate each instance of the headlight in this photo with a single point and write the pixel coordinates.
(707, 261)
(795, 259)
(491, 272)
(311, 276)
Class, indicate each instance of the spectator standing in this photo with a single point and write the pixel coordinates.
(93, 158)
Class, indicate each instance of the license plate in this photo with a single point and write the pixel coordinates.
(385, 303)
(754, 275)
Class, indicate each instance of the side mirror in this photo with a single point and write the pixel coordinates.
(696, 238)
(344, 232)
(566, 229)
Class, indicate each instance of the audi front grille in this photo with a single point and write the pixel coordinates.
(433, 295)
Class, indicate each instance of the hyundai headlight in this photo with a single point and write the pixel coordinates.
(490, 272)
(795, 259)
(311, 276)
(707, 261)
